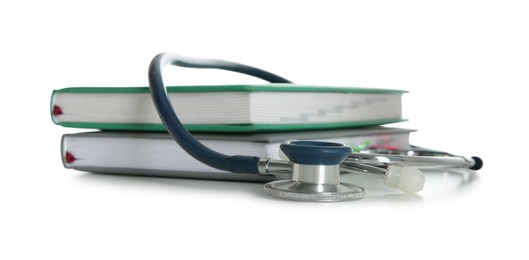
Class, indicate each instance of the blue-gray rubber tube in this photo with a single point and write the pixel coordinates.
(235, 163)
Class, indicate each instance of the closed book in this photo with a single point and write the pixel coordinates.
(234, 108)
(157, 154)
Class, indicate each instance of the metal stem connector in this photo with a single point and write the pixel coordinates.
(267, 166)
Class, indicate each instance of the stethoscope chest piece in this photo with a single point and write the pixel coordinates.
(315, 173)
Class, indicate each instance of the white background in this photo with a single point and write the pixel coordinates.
(465, 64)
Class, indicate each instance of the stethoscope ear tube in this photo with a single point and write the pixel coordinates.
(234, 164)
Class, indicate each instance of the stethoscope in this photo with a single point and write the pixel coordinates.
(315, 166)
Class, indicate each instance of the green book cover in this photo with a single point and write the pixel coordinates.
(228, 108)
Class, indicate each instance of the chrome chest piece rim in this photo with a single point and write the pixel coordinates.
(292, 190)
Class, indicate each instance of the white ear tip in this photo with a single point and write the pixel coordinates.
(411, 180)
(406, 179)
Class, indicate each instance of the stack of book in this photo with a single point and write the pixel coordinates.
(240, 119)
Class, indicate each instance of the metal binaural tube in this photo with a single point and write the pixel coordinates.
(407, 160)
(375, 170)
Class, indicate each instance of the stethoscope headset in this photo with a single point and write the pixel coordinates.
(315, 166)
